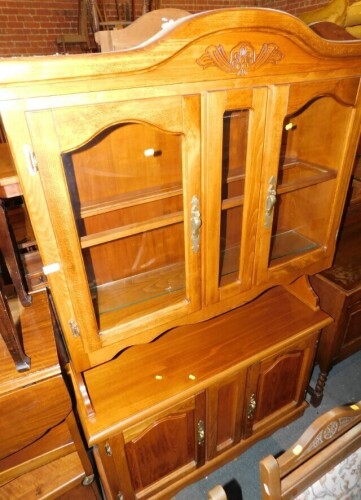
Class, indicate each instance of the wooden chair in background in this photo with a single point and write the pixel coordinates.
(330, 448)
(80, 38)
(327, 456)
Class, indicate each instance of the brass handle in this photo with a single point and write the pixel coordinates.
(251, 407)
(196, 223)
(108, 449)
(270, 202)
(201, 432)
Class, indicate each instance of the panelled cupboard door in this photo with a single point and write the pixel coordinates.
(122, 184)
(225, 401)
(307, 159)
(158, 451)
(235, 121)
(276, 386)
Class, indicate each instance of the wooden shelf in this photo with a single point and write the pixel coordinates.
(130, 230)
(92, 208)
(296, 174)
(236, 201)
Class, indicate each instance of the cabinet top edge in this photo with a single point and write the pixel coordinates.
(254, 30)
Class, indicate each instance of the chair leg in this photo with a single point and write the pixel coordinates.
(11, 338)
(8, 248)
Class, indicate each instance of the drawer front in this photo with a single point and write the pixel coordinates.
(28, 413)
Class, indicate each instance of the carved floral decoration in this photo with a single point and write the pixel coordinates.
(242, 59)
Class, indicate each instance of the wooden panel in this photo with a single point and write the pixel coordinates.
(31, 412)
(225, 406)
(352, 337)
(277, 385)
(167, 445)
(54, 444)
(47, 481)
(153, 454)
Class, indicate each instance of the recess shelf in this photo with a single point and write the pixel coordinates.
(290, 242)
(139, 288)
(296, 174)
(130, 230)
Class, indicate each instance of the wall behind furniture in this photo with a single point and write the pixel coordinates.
(30, 27)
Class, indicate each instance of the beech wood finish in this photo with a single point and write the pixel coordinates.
(187, 108)
(169, 187)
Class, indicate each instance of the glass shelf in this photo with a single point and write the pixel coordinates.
(139, 288)
(290, 243)
(296, 174)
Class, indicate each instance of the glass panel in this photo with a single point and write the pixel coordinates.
(234, 154)
(126, 189)
(306, 177)
(231, 233)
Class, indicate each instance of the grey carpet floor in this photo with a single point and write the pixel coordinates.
(343, 386)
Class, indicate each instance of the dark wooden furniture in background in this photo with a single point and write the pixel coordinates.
(339, 290)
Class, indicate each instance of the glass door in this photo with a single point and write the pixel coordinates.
(301, 194)
(235, 121)
(133, 187)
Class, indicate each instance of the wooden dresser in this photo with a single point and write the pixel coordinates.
(42, 454)
(181, 193)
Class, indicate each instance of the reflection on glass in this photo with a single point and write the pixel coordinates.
(126, 189)
(234, 154)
